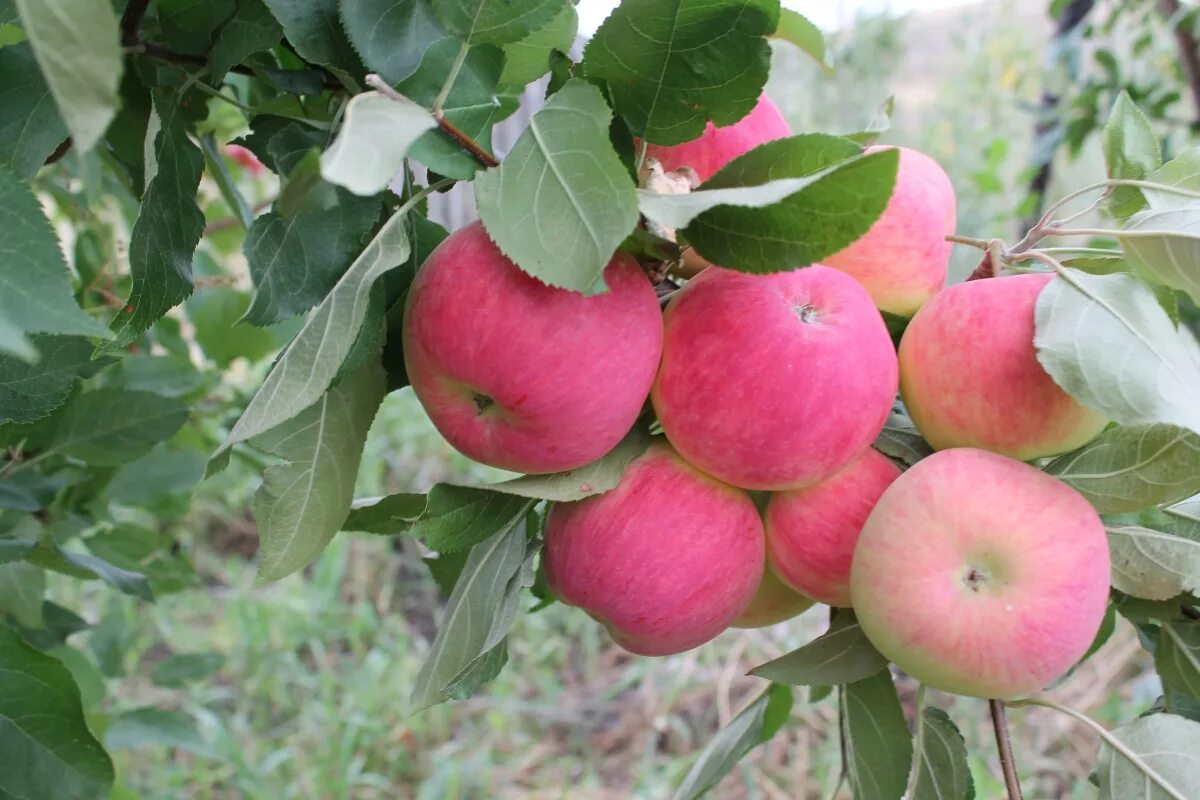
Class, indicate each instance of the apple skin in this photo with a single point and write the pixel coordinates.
(774, 381)
(521, 375)
(903, 258)
(774, 602)
(716, 147)
(970, 377)
(666, 560)
(811, 532)
(980, 575)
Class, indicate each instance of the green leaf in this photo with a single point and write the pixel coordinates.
(48, 749)
(674, 65)
(31, 391)
(752, 726)
(941, 760)
(460, 517)
(189, 25)
(155, 726)
(78, 46)
(215, 312)
(796, 28)
(901, 440)
(1151, 564)
(303, 502)
(303, 190)
(107, 427)
(1166, 243)
(168, 227)
(1109, 344)
(160, 473)
(843, 654)
(30, 127)
(295, 261)
(392, 36)
(878, 743)
(308, 366)
(250, 30)
(601, 476)
(315, 30)
(89, 567)
(808, 225)
(386, 516)
(14, 342)
(528, 59)
(1131, 151)
(1167, 744)
(376, 135)
(561, 202)
(479, 614)
(167, 375)
(1177, 658)
(1186, 518)
(22, 586)
(35, 285)
(1126, 469)
(178, 670)
(1183, 172)
(495, 21)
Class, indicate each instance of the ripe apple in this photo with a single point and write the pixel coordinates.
(666, 560)
(970, 377)
(774, 381)
(774, 602)
(980, 575)
(521, 375)
(811, 532)
(716, 147)
(902, 259)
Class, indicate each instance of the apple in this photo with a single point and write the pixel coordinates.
(774, 602)
(980, 575)
(903, 258)
(666, 560)
(970, 377)
(811, 532)
(774, 381)
(521, 375)
(716, 147)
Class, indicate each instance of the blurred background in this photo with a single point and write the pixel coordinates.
(298, 689)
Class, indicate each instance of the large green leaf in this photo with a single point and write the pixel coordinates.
(479, 614)
(752, 726)
(215, 313)
(1177, 657)
(1167, 744)
(1151, 564)
(250, 30)
(528, 59)
(35, 286)
(303, 502)
(107, 427)
(1106, 340)
(78, 45)
(818, 220)
(495, 21)
(940, 759)
(46, 748)
(22, 586)
(1166, 243)
(30, 126)
(561, 202)
(374, 139)
(314, 28)
(392, 36)
(1131, 151)
(878, 744)
(168, 227)
(386, 516)
(841, 655)
(674, 65)
(1130, 468)
(1182, 172)
(31, 391)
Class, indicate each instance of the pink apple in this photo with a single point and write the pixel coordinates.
(902, 259)
(774, 602)
(980, 575)
(774, 381)
(970, 377)
(716, 147)
(811, 532)
(666, 560)
(521, 375)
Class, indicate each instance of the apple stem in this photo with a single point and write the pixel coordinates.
(1004, 746)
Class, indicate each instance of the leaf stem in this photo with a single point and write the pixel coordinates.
(1109, 739)
(1004, 745)
(461, 139)
(920, 746)
(450, 78)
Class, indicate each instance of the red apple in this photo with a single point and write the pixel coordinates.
(811, 532)
(774, 381)
(902, 259)
(665, 561)
(716, 147)
(980, 575)
(970, 377)
(774, 602)
(521, 375)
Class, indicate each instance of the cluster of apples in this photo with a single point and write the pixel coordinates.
(973, 571)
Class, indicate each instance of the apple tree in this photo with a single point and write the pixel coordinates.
(700, 342)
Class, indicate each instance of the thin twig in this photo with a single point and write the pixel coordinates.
(131, 21)
(465, 142)
(1004, 745)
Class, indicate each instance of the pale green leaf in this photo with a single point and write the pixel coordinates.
(22, 586)
(157, 727)
(598, 477)
(1177, 657)
(1167, 744)
(1166, 243)
(901, 440)
(796, 28)
(941, 760)
(370, 147)
(1131, 151)
(528, 59)
(841, 655)
(878, 744)
(1151, 564)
